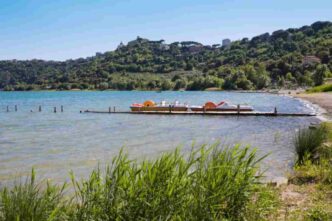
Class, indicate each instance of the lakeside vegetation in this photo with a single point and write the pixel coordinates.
(209, 183)
(307, 143)
(321, 88)
(286, 58)
(312, 177)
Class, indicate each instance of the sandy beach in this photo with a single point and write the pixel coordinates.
(323, 100)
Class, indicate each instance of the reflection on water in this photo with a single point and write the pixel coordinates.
(56, 143)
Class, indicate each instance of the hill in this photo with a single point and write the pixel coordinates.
(285, 58)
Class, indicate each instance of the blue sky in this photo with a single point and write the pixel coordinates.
(64, 29)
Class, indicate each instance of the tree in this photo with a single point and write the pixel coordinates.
(8, 88)
(307, 79)
(84, 86)
(242, 82)
(319, 75)
(144, 64)
(166, 85)
(289, 77)
(103, 86)
(152, 84)
(212, 81)
(281, 81)
(263, 79)
(237, 81)
(176, 77)
(229, 83)
(179, 84)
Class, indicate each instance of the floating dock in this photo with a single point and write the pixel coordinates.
(207, 113)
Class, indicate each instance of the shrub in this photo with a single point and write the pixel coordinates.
(307, 141)
(321, 88)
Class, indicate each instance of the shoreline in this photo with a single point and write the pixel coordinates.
(270, 91)
(322, 100)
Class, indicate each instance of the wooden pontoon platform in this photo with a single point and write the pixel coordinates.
(207, 113)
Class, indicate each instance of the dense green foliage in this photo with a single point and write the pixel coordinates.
(279, 59)
(207, 184)
(320, 88)
(307, 141)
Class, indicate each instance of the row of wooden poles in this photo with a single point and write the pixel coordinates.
(39, 108)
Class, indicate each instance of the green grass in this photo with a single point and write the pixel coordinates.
(210, 183)
(314, 178)
(321, 88)
(329, 129)
(307, 142)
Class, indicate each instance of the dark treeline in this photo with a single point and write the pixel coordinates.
(285, 58)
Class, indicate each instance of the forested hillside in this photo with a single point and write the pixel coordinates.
(285, 58)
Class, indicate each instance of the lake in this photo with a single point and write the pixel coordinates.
(55, 143)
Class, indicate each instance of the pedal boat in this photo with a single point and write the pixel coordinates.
(162, 106)
(222, 106)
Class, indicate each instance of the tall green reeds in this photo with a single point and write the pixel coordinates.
(307, 142)
(210, 183)
(31, 201)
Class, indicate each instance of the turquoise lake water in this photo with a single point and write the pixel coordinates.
(55, 143)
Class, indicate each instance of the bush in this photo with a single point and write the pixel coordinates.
(307, 141)
(321, 88)
(103, 86)
(8, 88)
(84, 86)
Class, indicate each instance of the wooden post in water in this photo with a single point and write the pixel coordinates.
(15, 108)
(61, 108)
(275, 111)
(54, 109)
(7, 108)
(238, 109)
(39, 109)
